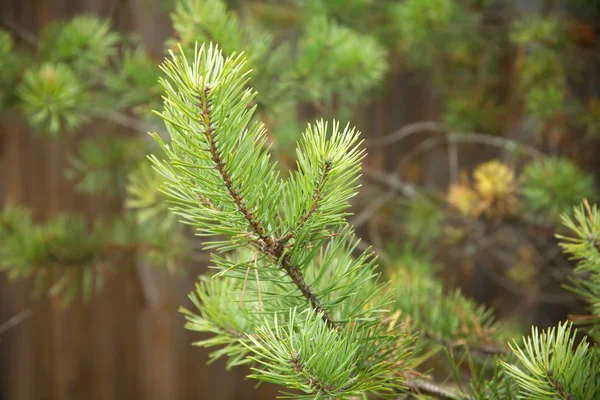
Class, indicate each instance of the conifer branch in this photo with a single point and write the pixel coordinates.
(316, 200)
(219, 177)
(273, 247)
(557, 386)
(294, 272)
(205, 116)
(314, 381)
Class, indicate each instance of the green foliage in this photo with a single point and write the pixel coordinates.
(423, 220)
(86, 43)
(446, 319)
(66, 257)
(196, 186)
(214, 299)
(585, 248)
(499, 386)
(355, 63)
(134, 82)
(62, 256)
(85, 71)
(287, 72)
(155, 242)
(9, 65)
(101, 166)
(205, 21)
(197, 21)
(322, 362)
(553, 367)
(543, 75)
(552, 186)
(145, 198)
(534, 30)
(437, 35)
(545, 102)
(422, 25)
(221, 181)
(292, 295)
(348, 11)
(52, 97)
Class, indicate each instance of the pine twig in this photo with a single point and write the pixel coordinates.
(206, 109)
(317, 195)
(314, 381)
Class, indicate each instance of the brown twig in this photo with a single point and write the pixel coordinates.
(372, 208)
(294, 272)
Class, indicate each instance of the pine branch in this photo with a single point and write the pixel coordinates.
(316, 383)
(220, 178)
(552, 365)
(271, 247)
(556, 385)
(219, 143)
(205, 116)
(294, 272)
(316, 199)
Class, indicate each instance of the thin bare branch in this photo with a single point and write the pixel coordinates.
(405, 132)
(420, 386)
(372, 208)
(14, 321)
(390, 180)
(122, 120)
(21, 33)
(472, 137)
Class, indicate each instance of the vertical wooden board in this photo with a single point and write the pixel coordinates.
(62, 334)
(16, 361)
(158, 357)
(33, 166)
(102, 326)
(126, 313)
(15, 345)
(153, 25)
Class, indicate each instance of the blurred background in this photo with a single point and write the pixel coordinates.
(481, 121)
